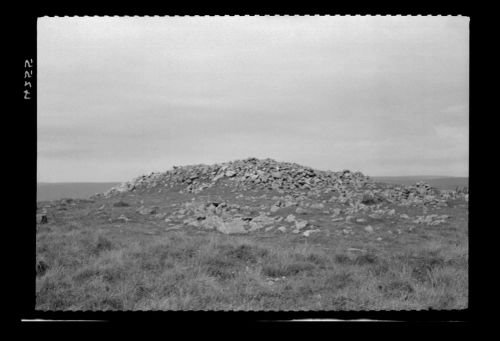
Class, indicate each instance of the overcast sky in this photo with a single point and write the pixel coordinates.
(120, 97)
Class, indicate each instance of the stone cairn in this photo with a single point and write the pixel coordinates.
(284, 177)
(251, 173)
(292, 185)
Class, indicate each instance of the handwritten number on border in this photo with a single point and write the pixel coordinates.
(28, 64)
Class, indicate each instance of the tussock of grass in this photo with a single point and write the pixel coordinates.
(221, 268)
(340, 280)
(396, 288)
(342, 259)
(366, 259)
(244, 253)
(102, 244)
(41, 267)
(313, 258)
(286, 269)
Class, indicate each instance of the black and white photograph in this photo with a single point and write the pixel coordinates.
(252, 163)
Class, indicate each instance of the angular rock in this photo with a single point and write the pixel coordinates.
(263, 220)
(147, 210)
(301, 210)
(160, 215)
(230, 173)
(301, 224)
(254, 226)
(191, 222)
(123, 218)
(308, 232)
(317, 206)
(42, 218)
(234, 226)
(211, 222)
(276, 175)
(368, 198)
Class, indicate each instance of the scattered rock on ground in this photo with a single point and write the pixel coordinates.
(369, 229)
(147, 210)
(313, 192)
(42, 218)
(300, 224)
(308, 232)
(232, 226)
(123, 218)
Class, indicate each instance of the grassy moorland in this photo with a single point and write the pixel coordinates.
(59, 190)
(87, 259)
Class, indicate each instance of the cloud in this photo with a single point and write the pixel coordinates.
(384, 95)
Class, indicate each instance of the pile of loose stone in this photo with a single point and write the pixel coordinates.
(351, 197)
(230, 218)
(420, 193)
(244, 174)
(283, 177)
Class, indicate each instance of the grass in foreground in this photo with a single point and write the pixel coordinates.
(83, 267)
